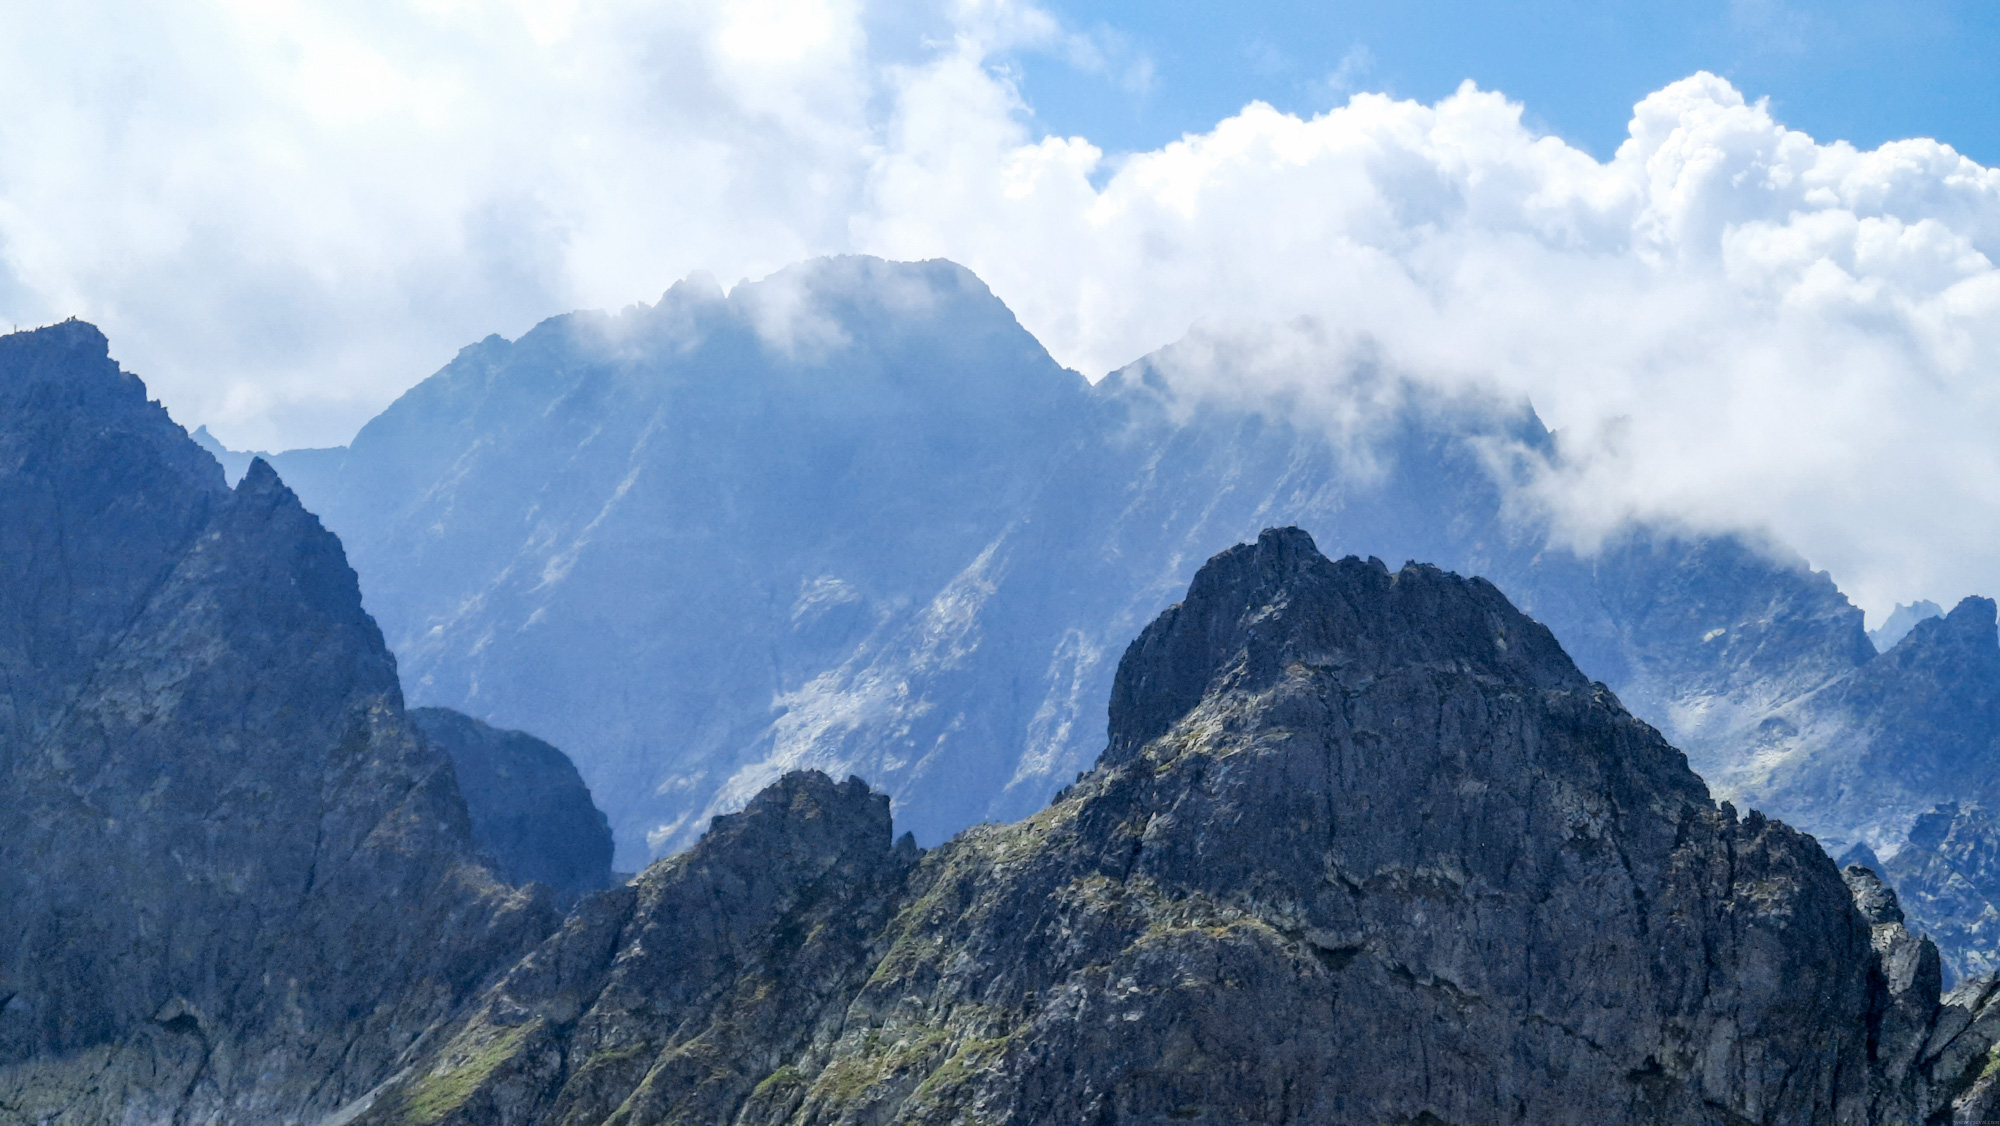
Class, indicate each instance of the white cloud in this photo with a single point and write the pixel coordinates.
(1732, 323)
(286, 212)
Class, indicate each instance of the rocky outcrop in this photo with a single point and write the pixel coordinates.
(236, 883)
(531, 813)
(1364, 847)
(676, 999)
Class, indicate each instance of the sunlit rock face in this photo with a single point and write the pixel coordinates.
(235, 882)
(1364, 846)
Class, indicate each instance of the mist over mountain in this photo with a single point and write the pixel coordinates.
(854, 518)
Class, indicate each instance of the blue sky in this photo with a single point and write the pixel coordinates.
(1863, 72)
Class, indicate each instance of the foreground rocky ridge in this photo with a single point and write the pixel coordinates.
(236, 883)
(1364, 847)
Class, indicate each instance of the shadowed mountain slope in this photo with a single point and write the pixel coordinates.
(530, 812)
(235, 881)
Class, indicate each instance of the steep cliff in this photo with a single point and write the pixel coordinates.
(1364, 847)
(1861, 757)
(235, 882)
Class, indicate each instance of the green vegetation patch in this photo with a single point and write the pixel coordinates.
(430, 1099)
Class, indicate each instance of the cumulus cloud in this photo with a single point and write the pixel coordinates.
(1730, 323)
(284, 213)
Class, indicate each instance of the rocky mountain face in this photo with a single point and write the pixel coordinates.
(236, 882)
(531, 814)
(1948, 876)
(854, 518)
(1861, 756)
(644, 536)
(1364, 846)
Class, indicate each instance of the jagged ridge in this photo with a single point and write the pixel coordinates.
(1364, 847)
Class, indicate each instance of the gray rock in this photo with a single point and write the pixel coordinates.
(530, 811)
(1861, 756)
(1364, 847)
(677, 998)
(236, 884)
(1948, 874)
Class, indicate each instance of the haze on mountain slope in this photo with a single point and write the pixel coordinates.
(853, 517)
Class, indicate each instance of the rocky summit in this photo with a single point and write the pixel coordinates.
(236, 882)
(1364, 847)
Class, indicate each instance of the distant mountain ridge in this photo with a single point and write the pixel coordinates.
(853, 517)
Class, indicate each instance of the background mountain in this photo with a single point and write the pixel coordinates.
(853, 517)
(236, 881)
(1948, 876)
(1901, 621)
(531, 815)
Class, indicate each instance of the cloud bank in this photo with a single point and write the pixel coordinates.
(286, 213)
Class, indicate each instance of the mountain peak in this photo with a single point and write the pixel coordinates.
(73, 339)
(260, 479)
(1974, 614)
(1970, 630)
(1257, 609)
